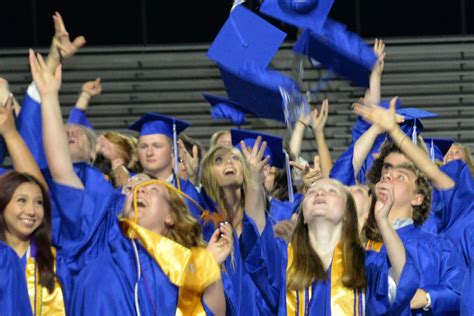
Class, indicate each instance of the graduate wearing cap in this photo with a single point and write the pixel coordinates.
(408, 169)
(113, 266)
(283, 202)
(158, 154)
(227, 184)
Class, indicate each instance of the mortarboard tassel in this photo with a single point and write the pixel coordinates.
(242, 40)
(291, 195)
(414, 134)
(432, 151)
(175, 153)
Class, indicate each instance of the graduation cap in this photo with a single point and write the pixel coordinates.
(339, 50)
(245, 37)
(412, 125)
(278, 156)
(223, 108)
(258, 91)
(438, 147)
(79, 117)
(152, 123)
(304, 14)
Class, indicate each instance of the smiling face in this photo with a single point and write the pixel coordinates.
(154, 152)
(24, 213)
(153, 208)
(325, 199)
(227, 168)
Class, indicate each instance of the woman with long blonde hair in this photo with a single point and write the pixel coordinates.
(325, 269)
(151, 262)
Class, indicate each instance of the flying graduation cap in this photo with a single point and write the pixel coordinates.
(303, 14)
(339, 50)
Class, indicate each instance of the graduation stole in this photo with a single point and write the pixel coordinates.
(192, 270)
(373, 245)
(42, 302)
(344, 301)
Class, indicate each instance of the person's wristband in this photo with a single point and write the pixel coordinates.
(87, 94)
(427, 307)
(304, 124)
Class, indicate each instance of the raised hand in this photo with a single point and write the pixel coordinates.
(255, 161)
(191, 161)
(309, 174)
(385, 200)
(92, 88)
(284, 229)
(221, 242)
(45, 82)
(384, 119)
(379, 50)
(319, 118)
(7, 122)
(4, 91)
(61, 42)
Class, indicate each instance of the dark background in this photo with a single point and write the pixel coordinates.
(28, 23)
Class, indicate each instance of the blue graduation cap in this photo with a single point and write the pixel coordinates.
(412, 125)
(339, 50)
(304, 14)
(274, 144)
(278, 156)
(245, 37)
(258, 90)
(152, 123)
(223, 108)
(438, 147)
(79, 117)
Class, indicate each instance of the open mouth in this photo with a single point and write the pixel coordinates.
(27, 221)
(229, 171)
(72, 140)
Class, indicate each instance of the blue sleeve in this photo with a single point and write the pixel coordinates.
(263, 261)
(14, 299)
(467, 294)
(197, 203)
(454, 207)
(30, 128)
(79, 117)
(343, 169)
(445, 296)
(377, 268)
(83, 212)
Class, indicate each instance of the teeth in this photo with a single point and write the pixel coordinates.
(27, 220)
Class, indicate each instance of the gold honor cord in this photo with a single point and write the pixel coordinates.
(168, 186)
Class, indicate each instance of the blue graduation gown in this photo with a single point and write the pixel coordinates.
(283, 210)
(270, 277)
(188, 188)
(453, 209)
(30, 128)
(441, 269)
(14, 299)
(467, 295)
(97, 264)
